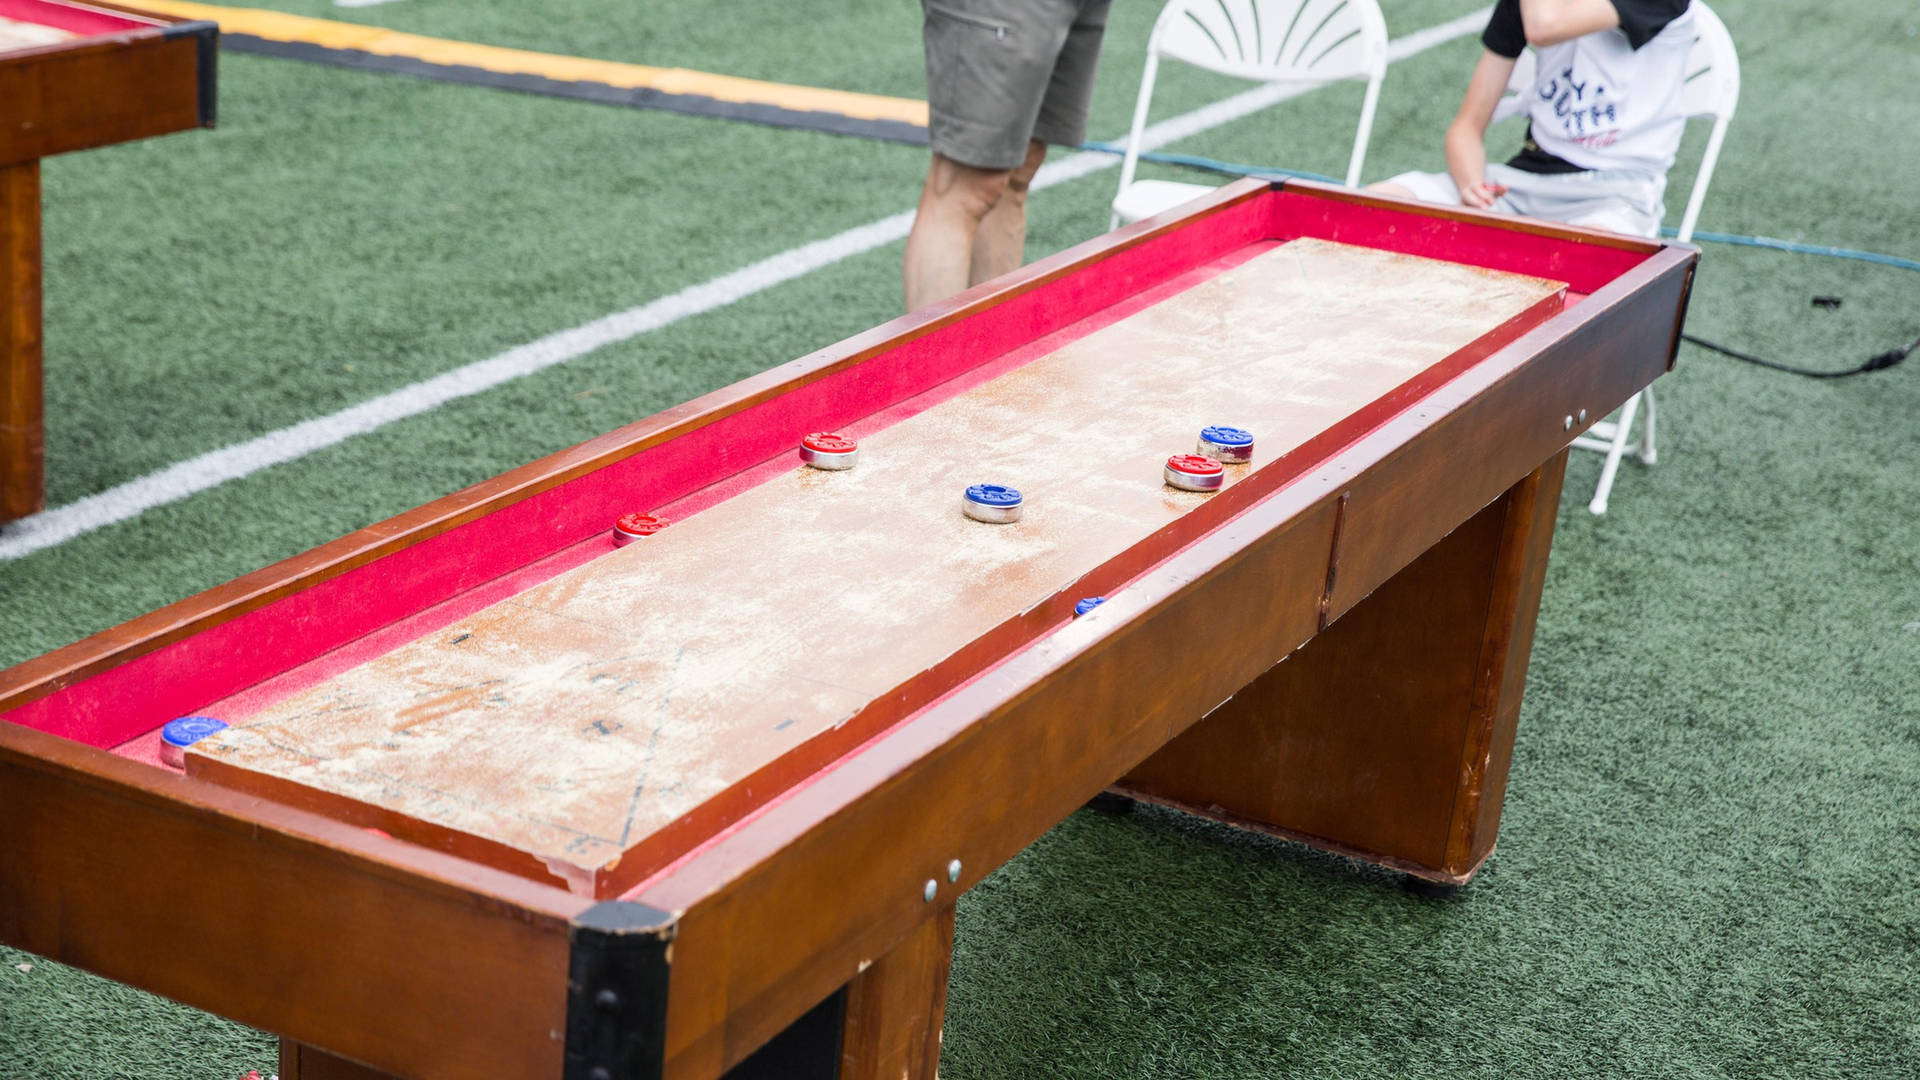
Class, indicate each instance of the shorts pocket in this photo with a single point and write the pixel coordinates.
(1000, 30)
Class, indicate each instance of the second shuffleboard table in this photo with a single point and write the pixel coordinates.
(502, 798)
(73, 76)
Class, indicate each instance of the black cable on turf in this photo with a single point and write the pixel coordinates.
(1878, 363)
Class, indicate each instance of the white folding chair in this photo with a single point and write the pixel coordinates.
(1301, 42)
(1713, 89)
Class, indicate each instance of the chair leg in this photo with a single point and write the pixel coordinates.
(1621, 431)
(1649, 454)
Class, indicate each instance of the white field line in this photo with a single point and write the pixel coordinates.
(209, 470)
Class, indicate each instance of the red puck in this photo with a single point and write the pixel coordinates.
(829, 442)
(829, 450)
(1194, 465)
(632, 527)
(1191, 472)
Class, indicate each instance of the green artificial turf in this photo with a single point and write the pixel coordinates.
(1707, 860)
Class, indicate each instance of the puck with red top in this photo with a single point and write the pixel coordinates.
(1191, 472)
(827, 450)
(1227, 445)
(632, 527)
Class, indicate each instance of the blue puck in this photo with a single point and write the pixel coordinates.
(1228, 445)
(992, 503)
(993, 495)
(184, 732)
(188, 730)
(1088, 604)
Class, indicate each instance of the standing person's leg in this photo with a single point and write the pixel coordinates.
(988, 62)
(1000, 242)
(940, 249)
(996, 70)
(1000, 245)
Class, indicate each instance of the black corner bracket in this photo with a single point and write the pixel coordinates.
(206, 37)
(617, 992)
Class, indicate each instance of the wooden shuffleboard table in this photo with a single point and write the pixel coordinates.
(73, 76)
(499, 797)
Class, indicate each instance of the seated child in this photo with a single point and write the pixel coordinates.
(1603, 114)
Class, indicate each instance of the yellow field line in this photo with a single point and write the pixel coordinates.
(325, 33)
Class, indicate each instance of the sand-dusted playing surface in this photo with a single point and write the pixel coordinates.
(589, 711)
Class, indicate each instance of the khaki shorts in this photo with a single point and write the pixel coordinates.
(1626, 202)
(1001, 72)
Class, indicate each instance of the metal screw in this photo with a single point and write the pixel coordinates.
(1567, 425)
(953, 870)
(608, 1001)
(599, 1072)
(933, 887)
(1583, 416)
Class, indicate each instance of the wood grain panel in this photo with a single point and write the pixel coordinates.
(98, 92)
(21, 423)
(1487, 752)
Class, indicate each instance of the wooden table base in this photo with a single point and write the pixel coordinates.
(22, 490)
(1388, 735)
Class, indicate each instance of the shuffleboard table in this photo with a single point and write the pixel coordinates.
(500, 797)
(73, 76)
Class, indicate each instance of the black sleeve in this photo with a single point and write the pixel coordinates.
(1642, 20)
(1505, 35)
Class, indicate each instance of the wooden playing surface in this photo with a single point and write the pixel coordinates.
(587, 712)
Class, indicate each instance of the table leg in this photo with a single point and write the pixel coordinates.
(301, 1062)
(895, 1008)
(21, 481)
(884, 1024)
(1388, 736)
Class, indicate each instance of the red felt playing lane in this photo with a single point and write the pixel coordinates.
(80, 19)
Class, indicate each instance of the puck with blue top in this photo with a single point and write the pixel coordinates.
(182, 733)
(827, 450)
(992, 503)
(632, 527)
(1227, 445)
(1087, 605)
(1191, 472)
